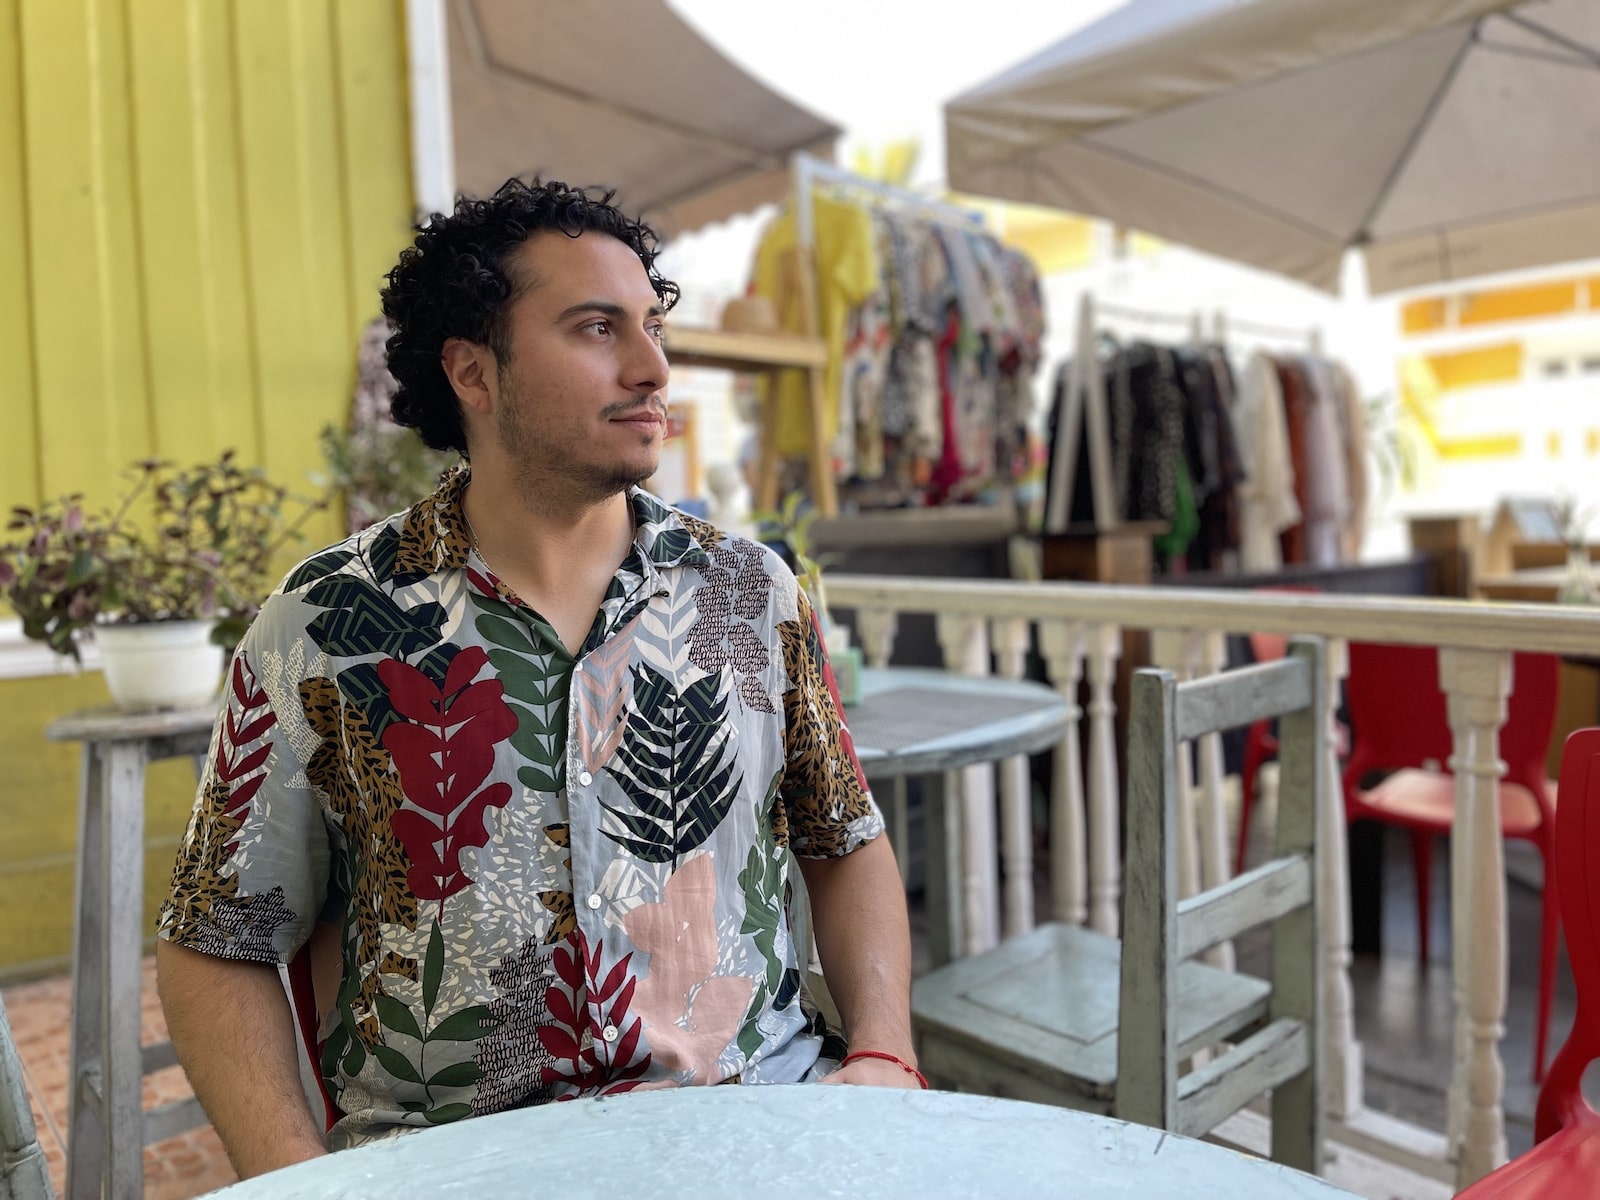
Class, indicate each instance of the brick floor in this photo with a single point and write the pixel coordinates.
(182, 1166)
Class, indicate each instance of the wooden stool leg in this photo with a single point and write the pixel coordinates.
(85, 1122)
(106, 1132)
(124, 1060)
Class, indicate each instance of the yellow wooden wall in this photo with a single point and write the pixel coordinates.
(198, 200)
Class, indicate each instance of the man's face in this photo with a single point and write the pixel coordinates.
(582, 394)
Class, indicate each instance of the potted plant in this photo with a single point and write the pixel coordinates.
(791, 524)
(164, 583)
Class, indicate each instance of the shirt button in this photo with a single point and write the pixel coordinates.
(576, 667)
(584, 778)
(609, 1033)
(594, 900)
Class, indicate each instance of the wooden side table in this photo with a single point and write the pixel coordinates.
(107, 1126)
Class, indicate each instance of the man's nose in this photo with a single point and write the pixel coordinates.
(645, 368)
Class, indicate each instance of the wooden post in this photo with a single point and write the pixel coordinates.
(1342, 1066)
(1010, 638)
(965, 647)
(1105, 807)
(1064, 646)
(1480, 681)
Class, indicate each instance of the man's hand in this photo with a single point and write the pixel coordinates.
(874, 1072)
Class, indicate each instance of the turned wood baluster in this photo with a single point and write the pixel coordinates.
(1206, 653)
(1480, 681)
(1064, 646)
(1460, 933)
(1010, 638)
(875, 630)
(1342, 1065)
(966, 651)
(1169, 651)
(1105, 804)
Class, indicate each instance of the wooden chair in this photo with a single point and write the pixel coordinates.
(1564, 1163)
(1068, 1016)
(1400, 725)
(23, 1173)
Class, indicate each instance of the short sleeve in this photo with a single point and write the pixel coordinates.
(252, 869)
(826, 802)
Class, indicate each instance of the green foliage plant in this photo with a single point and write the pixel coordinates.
(791, 524)
(184, 544)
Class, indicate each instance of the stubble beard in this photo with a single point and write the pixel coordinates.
(539, 467)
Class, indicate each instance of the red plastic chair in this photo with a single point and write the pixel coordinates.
(1565, 1160)
(1399, 725)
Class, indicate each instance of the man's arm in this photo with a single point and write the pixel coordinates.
(231, 1025)
(858, 914)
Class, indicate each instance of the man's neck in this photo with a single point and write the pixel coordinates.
(545, 548)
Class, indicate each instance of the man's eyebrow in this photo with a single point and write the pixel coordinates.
(606, 308)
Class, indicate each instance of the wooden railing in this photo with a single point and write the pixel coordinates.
(985, 627)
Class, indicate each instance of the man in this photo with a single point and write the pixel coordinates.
(508, 779)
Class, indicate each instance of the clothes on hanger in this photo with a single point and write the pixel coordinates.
(929, 387)
(1247, 472)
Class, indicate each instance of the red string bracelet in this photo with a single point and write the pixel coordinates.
(922, 1080)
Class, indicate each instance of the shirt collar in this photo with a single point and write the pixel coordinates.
(435, 535)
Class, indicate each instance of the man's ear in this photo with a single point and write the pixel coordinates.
(469, 367)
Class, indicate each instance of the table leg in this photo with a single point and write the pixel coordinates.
(85, 1122)
(106, 1130)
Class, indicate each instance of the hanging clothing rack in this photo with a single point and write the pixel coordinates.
(808, 171)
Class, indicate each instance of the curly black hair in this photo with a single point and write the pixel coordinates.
(454, 281)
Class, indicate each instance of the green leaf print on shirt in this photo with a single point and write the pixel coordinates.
(671, 766)
(535, 689)
(442, 1060)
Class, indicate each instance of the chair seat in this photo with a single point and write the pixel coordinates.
(1562, 1167)
(1045, 1004)
(1427, 800)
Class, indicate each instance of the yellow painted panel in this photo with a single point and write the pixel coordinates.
(189, 238)
(38, 899)
(1422, 316)
(89, 358)
(39, 801)
(1505, 445)
(1519, 303)
(19, 459)
(1483, 364)
(377, 148)
(1593, 284)
(293, 204)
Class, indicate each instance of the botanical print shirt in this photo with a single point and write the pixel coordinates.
(552, 875)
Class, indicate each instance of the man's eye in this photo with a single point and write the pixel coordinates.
(599, 326)
(658, 332)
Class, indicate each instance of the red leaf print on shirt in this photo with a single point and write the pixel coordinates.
(443, 749)
(248, 719)
(576, 1039)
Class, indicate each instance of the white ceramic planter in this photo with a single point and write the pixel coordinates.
(166, 664)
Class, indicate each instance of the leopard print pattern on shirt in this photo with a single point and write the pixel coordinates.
(563, 910)
(199, 881)
(363, 791)
(821, 789)
(434, 536)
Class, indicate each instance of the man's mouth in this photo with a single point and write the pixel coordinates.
(642, 417)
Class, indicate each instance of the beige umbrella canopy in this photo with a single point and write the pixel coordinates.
(1445, 138)
(620, 93)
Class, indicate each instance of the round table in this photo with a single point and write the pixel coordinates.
(800, 1141)
(912, 721)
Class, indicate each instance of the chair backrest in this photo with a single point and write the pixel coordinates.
(1575, 865)
(1399, 715)
(1159, 931)
(23, 1172)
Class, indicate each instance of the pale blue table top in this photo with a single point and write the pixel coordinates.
(913, 721)
(799, 1141)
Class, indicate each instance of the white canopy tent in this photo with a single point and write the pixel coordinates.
(1444, 138)
(622, 94)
